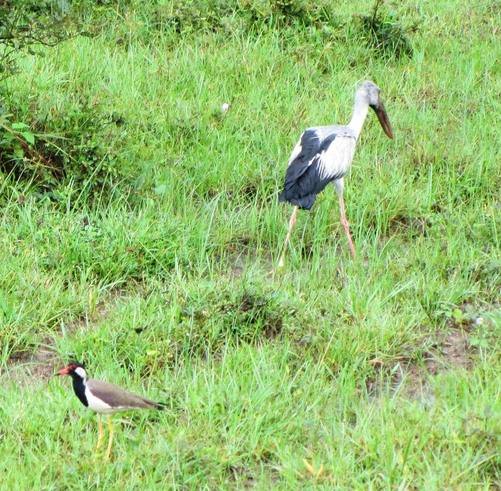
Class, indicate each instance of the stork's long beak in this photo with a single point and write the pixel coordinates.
(64, 371)
(383, 119)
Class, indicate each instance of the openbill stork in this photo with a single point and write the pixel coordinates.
(324, 154)
(104, 398)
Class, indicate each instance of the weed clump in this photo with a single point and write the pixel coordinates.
(247, 15)
(384, 34)
(47, 149)
(211, 318)
(70, 145)
(202, 322)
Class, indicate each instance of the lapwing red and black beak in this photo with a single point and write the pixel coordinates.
(104, 398)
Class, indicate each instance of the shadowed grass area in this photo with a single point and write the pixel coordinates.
(153, 263)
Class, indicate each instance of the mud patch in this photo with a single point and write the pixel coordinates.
(40, 364)
(415, 226)
(214, 316)
(456, 350)
(242, 476)
(33, 365)
(451, 351)
(447, 351)
(467, 329)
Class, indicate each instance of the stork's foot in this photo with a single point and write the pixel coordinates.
(276, 270)
(292, 223)
(351, 245)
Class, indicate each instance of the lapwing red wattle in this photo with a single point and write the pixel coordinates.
(104, 398)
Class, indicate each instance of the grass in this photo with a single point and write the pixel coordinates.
(317, 377)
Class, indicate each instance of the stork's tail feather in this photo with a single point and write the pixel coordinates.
(160, 405)
(304, 203)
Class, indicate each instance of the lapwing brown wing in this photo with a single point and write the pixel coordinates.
(104, 398)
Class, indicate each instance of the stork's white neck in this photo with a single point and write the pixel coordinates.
(360, 111)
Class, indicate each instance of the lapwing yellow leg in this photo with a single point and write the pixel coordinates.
(100, 432)
(110, 439)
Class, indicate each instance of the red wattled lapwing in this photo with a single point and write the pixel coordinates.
(104, 398)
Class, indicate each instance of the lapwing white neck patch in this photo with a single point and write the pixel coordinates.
(80, 371)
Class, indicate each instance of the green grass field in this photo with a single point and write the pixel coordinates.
(378, 373)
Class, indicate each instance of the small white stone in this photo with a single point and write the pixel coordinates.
(225, 107)
(479, 321)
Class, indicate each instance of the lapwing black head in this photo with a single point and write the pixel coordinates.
(104, 398)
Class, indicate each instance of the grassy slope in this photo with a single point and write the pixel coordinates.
(171, 295)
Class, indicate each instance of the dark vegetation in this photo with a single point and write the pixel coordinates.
(50, 149)
(246, 16)
(28, 25)
(383, 33)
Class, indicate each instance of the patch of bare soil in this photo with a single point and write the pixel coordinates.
(452, 350)
(415, 225)
(448, 350)
(239, 257)
(243, 476)
(39, 364)
(29, 367)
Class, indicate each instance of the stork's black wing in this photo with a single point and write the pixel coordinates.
(309, 146)
(304, 179)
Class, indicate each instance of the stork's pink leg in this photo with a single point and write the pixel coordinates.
(346, 225)
(292, 222)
